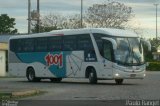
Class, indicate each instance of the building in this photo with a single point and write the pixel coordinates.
(156, 55)
(4, 54)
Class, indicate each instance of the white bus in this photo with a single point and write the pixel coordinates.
(96, 54)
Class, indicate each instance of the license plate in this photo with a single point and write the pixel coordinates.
(133, 75)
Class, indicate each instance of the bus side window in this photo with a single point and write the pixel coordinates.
(13, 45)
(41, 44)
(69, 43)
(98, 39)
(28, 45)
(55, 43)
(19, 45)
(85, 43)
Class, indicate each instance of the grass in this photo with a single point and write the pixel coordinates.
(5, 96)
(9, 96)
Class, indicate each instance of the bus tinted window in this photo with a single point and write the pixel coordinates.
(22, 45)
(98, 39)
(28, 45)
(69, 43)
(84, 42)
(41, 44)
(55, 43)
(13, 45)
(18, 45)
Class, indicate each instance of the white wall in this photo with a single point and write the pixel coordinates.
(2, 63)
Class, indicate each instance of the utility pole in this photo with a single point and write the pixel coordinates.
(29, 16)
(38, 18)
(156, 20)
(81, 13)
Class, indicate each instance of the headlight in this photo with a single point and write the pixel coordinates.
(117, 75)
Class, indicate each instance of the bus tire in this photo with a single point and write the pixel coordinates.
(119, 81)
(56, 79)
(31, 75)
(92, 76)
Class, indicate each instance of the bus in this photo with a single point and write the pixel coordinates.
(93, 53)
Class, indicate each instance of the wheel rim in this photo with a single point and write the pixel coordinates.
(31, 75)
(90, 76)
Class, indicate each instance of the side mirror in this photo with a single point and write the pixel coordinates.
(147, 43)
(112, 41)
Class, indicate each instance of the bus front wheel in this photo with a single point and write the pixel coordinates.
(31, 75)
(93, 77)
(119, 81)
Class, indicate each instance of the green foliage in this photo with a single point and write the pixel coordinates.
(7, 24)
(154, 66)
(155, 43)
(148, 54)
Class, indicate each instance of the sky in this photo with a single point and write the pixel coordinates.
(144, 10)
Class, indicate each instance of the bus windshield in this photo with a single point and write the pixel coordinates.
(129, 52)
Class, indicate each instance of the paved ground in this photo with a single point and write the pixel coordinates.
(80, 89)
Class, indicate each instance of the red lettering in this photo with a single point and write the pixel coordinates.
(54, 59)
(47, 58)
(60, 60)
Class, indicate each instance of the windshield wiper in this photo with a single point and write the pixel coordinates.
(133, 54)
(130, 49)
(137, 57)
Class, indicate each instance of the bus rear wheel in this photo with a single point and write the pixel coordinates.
(119, 81)
(92, 77)
(31, 75)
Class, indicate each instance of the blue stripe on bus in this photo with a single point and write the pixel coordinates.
(55, 67)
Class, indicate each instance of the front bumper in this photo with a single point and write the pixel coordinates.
(118, 74)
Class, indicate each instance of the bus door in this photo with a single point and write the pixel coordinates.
(107, 53)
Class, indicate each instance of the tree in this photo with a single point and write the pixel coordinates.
(112, 14)
(7, 24)
(49, 22)
(43, 28)
(55, 21)
(73, 22)
(155, 43)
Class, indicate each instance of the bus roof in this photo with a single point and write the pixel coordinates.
(108, 31)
